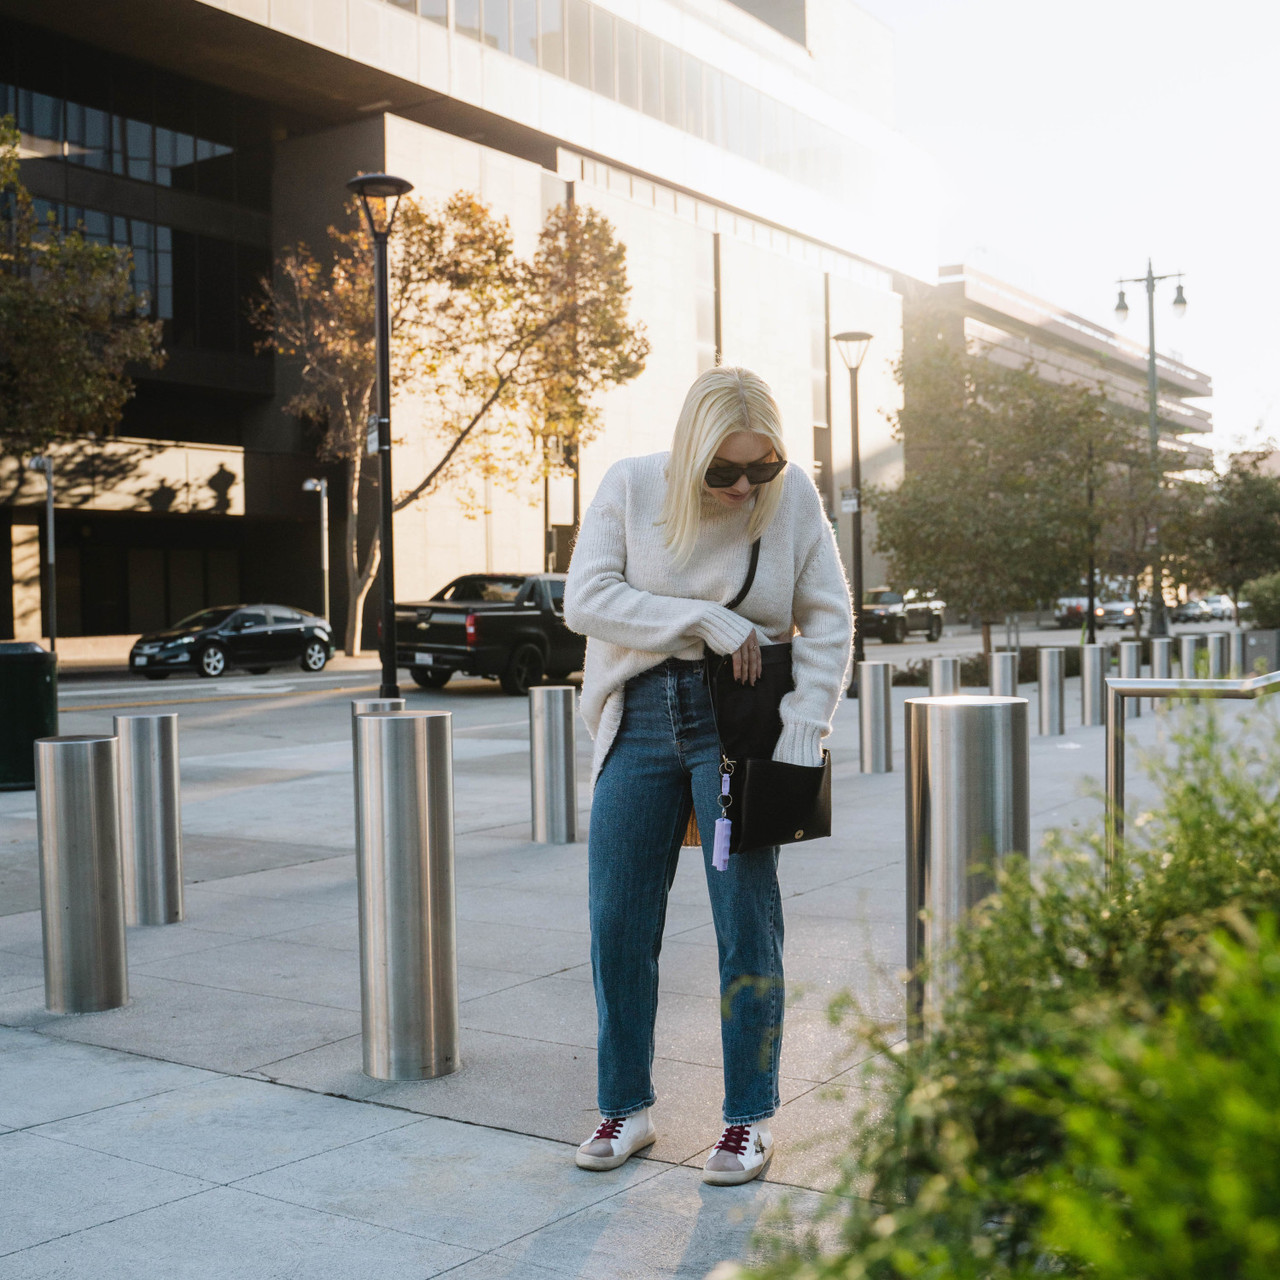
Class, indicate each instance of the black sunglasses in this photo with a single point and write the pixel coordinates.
(724, 475)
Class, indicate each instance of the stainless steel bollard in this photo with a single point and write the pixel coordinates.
(366, 706)
(967, 809)
(1094, 659)
(875, 716)
(1003, 677)
(1051, 666)
(1239, 662)
(1218, 655)
(404, 877)
(1131, 667)
(1161, 658)
(81, 884)
(150, 818)
(1161, 663)
(1189, 650)
(944, 676)
(553, 764)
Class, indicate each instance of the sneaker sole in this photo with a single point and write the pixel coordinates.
(598, 1164)
(735, 1177)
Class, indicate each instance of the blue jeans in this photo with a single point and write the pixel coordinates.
(667, 741)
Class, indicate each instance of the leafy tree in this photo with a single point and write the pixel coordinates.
(1011, 479)
(1233, 534)
(71, 323)
(492, 346)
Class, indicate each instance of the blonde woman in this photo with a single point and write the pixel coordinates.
(665, 543)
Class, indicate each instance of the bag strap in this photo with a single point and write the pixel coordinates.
(751, 577)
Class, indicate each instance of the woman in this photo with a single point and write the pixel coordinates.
(666, 540)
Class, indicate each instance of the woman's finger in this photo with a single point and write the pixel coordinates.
(737, 664)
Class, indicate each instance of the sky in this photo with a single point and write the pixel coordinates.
(1075, 140)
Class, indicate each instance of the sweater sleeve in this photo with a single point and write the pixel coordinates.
(599, 602)
(819, 653)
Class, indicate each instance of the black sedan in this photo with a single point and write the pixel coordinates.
(256, 637)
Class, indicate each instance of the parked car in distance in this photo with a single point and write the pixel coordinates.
(1070, 611)
(508, 627)
(1118, 613)
(1222, 609)
(889, 616)
(255, 637)
(1191, 611)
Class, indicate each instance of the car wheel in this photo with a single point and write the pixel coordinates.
(314, 656)
(896, 633)
(429, 677)
(213, 661)
(935, 627)
(525, 668)
(157, 675)
(258, 671)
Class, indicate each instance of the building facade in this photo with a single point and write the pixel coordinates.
(1012, 327)
(745, 155)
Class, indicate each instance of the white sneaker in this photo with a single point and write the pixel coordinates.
(741, 1154)
(616, 1141)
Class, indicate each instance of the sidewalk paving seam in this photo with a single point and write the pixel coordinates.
(66, 1235)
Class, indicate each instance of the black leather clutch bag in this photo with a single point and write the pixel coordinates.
(769, 802)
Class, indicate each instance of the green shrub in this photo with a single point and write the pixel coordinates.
(1263, 595)
(1003, 1132)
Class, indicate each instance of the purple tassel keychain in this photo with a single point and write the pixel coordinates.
(720, 849)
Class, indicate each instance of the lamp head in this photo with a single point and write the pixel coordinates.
(379, 197)
(852, 348)
(1179, 302)
(312, 486)
(40, 463)
(1122, 308)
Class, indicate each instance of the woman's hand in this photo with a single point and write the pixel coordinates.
(747, 663)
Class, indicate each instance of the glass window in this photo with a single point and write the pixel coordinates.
(602, 77)
(555, 588)
(733, 115)
(88, 136)
(403, 4)
(435, 10)
(672, 112)
(137, 136)
(174, 152)
(466, 18)
(750, 123)
(40, 114)
(249, 618)
(713, 106)
(580, 42)
(693, 95)
(628, 66)
(651, 75)
(482, 588)
(551, 36)
(497, 30)
(282, 616)
(524, 30)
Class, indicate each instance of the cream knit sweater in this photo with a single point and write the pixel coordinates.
(637, 606)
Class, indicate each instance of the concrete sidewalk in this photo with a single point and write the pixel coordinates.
(220, 1126)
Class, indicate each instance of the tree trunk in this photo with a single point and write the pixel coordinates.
(358, 580)
(986, 639)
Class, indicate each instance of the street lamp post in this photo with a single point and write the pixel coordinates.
(379, 195)
(321, 487)
(1159, 619)
(853, 348)
(44, 463)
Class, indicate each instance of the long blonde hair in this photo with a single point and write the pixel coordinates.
(721, 401)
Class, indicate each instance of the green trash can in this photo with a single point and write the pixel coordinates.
(28, 709)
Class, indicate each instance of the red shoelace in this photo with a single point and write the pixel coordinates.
(608, 1130)
(734, 1139)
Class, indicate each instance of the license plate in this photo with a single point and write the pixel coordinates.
(140, 662)
(422, 659)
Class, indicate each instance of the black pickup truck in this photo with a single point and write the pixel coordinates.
(506, 626)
